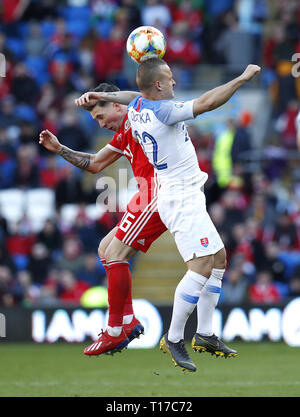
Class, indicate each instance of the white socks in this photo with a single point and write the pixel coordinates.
(186, 297)
(127, 319)
(116, 331)
(208, 301)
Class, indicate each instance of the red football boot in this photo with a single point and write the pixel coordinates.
(134, 329)
(107, 344)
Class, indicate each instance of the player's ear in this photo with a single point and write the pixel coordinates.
(157, 85)
(116, 106)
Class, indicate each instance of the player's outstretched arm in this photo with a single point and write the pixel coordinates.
(91, 98)
(90, 162)
(220, 95)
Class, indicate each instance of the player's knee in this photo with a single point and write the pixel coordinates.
(202, 265)
(220, 259)
(113, 253)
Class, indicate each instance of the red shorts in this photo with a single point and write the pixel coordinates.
(141, 224)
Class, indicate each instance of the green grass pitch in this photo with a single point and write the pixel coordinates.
(61, 370)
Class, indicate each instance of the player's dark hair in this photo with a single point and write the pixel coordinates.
(103, 88)
(148, 71)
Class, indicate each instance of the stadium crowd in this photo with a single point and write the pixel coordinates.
(56, 50)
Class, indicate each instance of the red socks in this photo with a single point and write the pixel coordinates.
(119, 292)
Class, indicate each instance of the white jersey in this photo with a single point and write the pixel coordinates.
(160, 129)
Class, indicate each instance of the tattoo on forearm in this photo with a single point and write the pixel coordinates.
(79, 159)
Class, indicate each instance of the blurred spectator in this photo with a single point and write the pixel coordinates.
(24, 290)
(253, 232)
(133, 15)
(3, 228)
(217, 214)
(242, 141)
(240, 243)
(262, 210)
(191, 12)
(41, 10)
(72, 258)
(50, 121)
(285, 87)
(61, 80)
(19, 243)
(39, 263)
(28, 132)
(235, 45)
(156, 14)
(26, 173)
(108, 55)
(46, 99)
(35, 43)
(234, 213)
(7, 150)
(286, 125)
(72, 289)
(69, 189)
(251, 16)
(221, 160)
(271, 261)
(91, 273)
(285, 232)
(6, 280)
(86, 231)
(235, 287)
(51, 286)
(6, 259)
(50, 174)
(86, 50)
(70, 133)
(264, 290)
(8, 116)
(182, 53)
(24, 87)
(50, 236)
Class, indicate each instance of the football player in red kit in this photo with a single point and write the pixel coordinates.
(139, 227)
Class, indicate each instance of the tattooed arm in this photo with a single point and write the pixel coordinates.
(91, 98)
(90, 162)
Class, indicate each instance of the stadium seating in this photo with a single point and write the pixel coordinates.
(40, 206)
(13, 204)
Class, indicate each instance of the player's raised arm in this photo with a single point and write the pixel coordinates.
(91, 98)
(220, 95)
(90, 162)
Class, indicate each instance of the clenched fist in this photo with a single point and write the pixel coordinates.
(250, 72)
(50, 141)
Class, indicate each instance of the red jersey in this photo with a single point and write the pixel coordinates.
(124, 143)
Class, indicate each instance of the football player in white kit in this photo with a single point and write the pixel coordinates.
(157, 122)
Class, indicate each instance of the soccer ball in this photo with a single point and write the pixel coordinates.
(145, 42)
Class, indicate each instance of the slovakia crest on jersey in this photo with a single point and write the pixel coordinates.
(204, 242)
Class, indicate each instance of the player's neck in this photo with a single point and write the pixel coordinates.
(152, 95)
